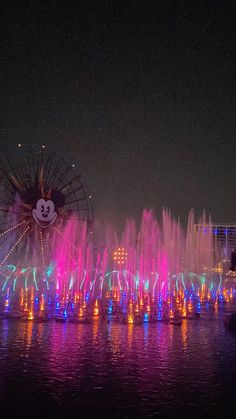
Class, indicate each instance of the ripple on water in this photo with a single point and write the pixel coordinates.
(118, 369)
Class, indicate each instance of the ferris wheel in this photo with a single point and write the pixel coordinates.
(39, 193)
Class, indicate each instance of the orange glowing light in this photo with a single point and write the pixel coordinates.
(130, 319)
(120, 255)
(117, 296)
(42, 303)
(81, 313)
(184, 312)
(171, 314)
(22, 297)
(31, 315)
(96, 310)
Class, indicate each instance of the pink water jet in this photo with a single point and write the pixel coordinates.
(158, 257)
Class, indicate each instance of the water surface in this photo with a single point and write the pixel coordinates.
(117, 370)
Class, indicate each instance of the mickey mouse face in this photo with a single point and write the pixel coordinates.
(44, 214)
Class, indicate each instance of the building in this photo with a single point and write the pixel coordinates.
(223, 241)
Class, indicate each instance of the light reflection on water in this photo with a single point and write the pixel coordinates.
(56, 370)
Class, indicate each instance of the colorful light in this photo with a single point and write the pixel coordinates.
(145, 317)
(31, 315)
(81, 313)
(96, 310)
(120, 255)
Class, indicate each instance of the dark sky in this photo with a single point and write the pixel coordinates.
(141, 92)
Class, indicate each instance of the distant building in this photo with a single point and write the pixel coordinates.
(223, 241)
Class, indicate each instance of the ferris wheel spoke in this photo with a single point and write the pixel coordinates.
(70, 182)
(10, 215)
(42, 249)
(54, 172)
(29, 162)
(75, 200)
(12, 228)
(67, 170)
(17, 175)
(75, 190)
(7, 193)
(7, 210)
(14, 246)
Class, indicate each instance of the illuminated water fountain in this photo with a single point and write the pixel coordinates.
(49, 266)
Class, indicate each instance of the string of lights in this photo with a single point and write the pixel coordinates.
(14, 246)
(12, 228)
(42, 248)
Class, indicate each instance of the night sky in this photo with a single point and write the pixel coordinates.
(142, 93)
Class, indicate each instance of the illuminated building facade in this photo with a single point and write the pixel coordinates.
(223, 241)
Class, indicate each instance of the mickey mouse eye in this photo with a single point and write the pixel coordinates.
(42, 207)
(48, 208)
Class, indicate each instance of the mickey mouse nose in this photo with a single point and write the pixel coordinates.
(45, 214)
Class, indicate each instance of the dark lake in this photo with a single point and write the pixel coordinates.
(56, 370)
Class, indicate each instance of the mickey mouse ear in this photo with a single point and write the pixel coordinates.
(58, 198)
(31, 196)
